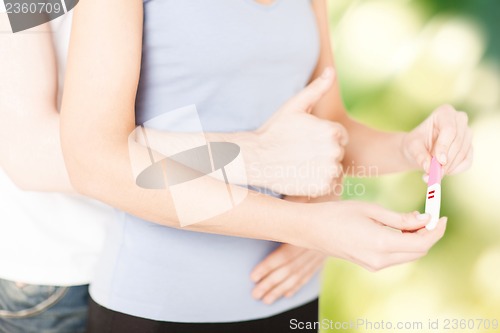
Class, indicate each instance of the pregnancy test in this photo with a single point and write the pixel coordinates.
(433, 200)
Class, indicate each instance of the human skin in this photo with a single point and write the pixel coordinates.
(99, 98)
(292, 139)
(444, 134)
(31, 153)
(30, 149)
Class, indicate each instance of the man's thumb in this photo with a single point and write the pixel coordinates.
(310, 95)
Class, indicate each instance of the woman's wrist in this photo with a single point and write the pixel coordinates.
(301, 226)
(401, 140)
(274, 220)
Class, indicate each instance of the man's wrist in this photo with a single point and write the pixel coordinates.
(251, 150)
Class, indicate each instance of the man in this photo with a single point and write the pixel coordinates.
(49, 242)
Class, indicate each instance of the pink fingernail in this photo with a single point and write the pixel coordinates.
(425, 178)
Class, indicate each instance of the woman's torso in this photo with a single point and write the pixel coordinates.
(238, 62)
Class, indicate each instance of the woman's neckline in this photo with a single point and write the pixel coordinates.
(263, 6)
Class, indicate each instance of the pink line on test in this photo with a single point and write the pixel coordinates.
(435, 173)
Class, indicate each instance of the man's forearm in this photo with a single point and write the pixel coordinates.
(172, 143)
(30, 149)
(31, 155)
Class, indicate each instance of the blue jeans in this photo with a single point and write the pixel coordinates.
(42, 309)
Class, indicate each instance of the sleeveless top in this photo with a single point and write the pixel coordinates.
(238, 62)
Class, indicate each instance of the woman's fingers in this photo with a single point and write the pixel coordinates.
(418, 151)
(396, 248)
(446, 125)
(279, 275)
(279, 257)
(454, 138)
(303, 270)
(465, 164)
(412, 247)
(461, 153)
(406, 222)
(393, 241)
(460, 145)
(315, 267)
(445, 135)
(417, 242)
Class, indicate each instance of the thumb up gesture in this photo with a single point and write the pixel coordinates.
(298, 153)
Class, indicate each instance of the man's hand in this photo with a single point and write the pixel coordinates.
(300, 152)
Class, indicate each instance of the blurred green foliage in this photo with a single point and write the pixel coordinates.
(485, 12)
(396, 62)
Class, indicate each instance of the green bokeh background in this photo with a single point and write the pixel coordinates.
(397, 60)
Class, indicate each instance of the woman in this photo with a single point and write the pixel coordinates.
(238, 61)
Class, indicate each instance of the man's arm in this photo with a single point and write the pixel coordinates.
(30, 150)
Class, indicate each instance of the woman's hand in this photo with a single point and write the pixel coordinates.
(284, 272)
(301, 152)
(289, 268)
(358, 232)
(446, 135)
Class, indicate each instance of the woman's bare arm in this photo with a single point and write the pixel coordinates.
(98, 115)
(367, 146)
(444, 134)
